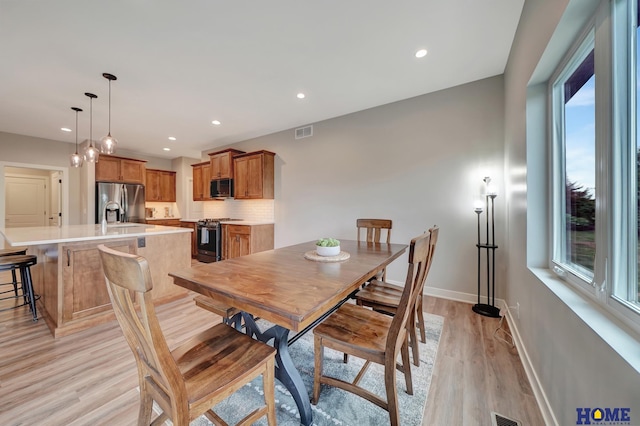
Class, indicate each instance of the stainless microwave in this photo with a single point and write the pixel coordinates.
(221, 188)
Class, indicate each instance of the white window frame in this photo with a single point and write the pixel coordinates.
(612, 35)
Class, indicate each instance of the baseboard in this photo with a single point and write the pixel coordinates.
(536, 386)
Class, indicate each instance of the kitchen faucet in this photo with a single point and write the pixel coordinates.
(104, 214)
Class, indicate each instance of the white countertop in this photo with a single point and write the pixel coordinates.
(32, 236)
(162, 218)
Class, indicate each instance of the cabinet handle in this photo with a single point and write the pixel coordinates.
(68, 257)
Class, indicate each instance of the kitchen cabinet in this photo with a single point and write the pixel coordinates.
(201, 181)
(160, 186)
(81, 265)
(253, 175)
(222, 163)
(194, 234)
(118, 169)
(241, 240)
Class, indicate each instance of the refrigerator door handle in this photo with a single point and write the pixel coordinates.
(125, 203)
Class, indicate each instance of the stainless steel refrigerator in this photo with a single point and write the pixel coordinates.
(129, 199)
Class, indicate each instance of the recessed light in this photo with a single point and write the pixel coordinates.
(172, 138)
(166, 149)
(421, 53)
(300, 95)
(216, 122)
(65, 129)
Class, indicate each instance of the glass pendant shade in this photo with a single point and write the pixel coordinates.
(91, 153)
(108, 143)
(76, 159)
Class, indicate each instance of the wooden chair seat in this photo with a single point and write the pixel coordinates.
(368, 330)
(198, 374)
(374, 337)
(217, 361)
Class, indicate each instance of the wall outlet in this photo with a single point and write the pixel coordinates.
(142, 242)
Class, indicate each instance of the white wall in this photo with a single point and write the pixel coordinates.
(22, 151)
(574, 366)
(418, 162)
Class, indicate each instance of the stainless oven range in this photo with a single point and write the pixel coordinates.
(209, 239)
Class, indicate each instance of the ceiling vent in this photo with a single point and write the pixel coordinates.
(304, 132)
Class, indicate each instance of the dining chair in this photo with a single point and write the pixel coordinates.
(385, 297)
(190, 379)
(374, 337)
(373, 229)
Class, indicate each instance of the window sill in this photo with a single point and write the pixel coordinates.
(620, 337)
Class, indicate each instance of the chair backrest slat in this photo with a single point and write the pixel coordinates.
(374, 229)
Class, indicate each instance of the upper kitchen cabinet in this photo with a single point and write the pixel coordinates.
(160, 186)
(222, 163)
(118, 169)
(253, 175)
(201, 181)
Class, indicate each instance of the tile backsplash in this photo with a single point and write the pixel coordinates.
(254, 210)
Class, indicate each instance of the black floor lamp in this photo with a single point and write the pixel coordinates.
(489, 248)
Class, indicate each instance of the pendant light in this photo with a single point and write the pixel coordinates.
(108, 143)
(91, 153)
(76, 159)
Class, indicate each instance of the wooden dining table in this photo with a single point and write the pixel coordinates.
(294, 293)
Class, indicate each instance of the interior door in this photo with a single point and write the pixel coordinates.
(55, 200)
(25, 202)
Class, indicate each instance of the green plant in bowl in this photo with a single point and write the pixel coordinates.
(328, 247)
(328, 242)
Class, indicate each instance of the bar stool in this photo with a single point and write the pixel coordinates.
(12, 251)
(22, 262)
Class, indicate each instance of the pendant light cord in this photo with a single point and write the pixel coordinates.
(76, 131)
(109, 107)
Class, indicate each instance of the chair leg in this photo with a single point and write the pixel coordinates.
(392, 396)
(423, 333)
(146, 408)
(268, 384)
(414, 339)
(319, 357)
(25, 274)
(406, 366)
(14, 281)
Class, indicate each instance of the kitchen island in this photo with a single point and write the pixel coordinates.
(69, 278)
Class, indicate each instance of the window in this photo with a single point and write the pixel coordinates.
(596, 160)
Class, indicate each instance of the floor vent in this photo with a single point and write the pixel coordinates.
(500, 420)
(304, 132)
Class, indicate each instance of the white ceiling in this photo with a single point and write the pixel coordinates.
(182, 64)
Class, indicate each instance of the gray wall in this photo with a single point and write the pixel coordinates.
(418, 162)
(575, 367)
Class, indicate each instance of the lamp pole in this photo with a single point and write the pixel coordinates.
(487, 309)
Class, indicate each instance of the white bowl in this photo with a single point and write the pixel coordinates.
(328, 251)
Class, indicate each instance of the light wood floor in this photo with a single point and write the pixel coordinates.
(89, 378)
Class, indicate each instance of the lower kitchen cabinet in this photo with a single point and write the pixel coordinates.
(194, 235)
(241, 240)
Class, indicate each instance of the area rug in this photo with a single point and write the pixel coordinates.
(337, 407)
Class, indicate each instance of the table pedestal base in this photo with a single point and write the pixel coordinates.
(286, 371)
